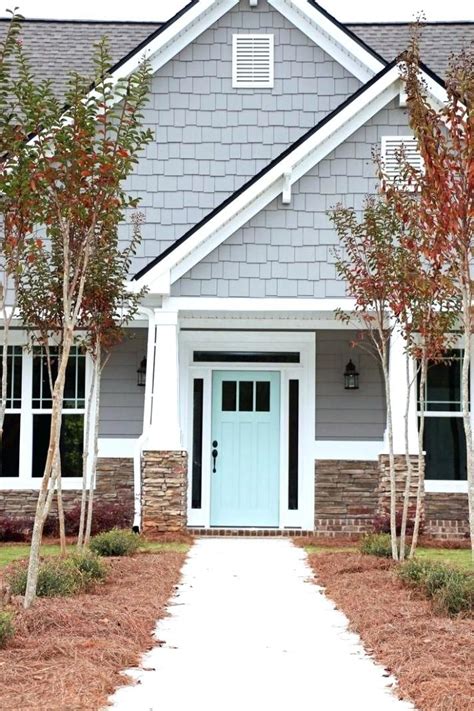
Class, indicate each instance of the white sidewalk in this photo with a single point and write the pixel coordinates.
(248, 632)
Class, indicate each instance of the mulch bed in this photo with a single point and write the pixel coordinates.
(432, 656)
(68, 652)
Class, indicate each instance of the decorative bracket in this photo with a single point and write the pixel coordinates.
(286, 192)
(253, 3)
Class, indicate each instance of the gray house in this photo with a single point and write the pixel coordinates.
(231, 407)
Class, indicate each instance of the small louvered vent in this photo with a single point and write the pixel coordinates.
(252, 61)
(392, 147)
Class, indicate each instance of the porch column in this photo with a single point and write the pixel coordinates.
(399, 393)
(164, 463)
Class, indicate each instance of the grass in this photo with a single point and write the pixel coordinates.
(9, 552)
(458, 556)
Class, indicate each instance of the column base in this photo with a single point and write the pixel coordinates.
(164, 485)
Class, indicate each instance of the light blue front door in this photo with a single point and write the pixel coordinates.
(246, 444)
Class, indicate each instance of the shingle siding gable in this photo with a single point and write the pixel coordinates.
(288, 250)
(210, 138)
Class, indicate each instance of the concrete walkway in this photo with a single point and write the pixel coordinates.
(248, 632)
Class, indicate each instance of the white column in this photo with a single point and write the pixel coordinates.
(165, 430)
(399, 392)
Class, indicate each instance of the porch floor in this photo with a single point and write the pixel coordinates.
(247, 630)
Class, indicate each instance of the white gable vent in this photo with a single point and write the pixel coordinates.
(391, 148)
(252, 61)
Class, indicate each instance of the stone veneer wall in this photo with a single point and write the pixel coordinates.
(114, 485)
(164, 482)
(345, 496)
(446, 515)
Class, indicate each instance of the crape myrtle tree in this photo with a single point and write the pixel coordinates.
(443, 211)
(368, 265)
(80, 158)
(108, 306)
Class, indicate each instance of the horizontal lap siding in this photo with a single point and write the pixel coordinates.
(347, 414)
(210, 138)
(288, 250)
(121, 406)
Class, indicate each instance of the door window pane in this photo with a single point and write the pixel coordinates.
(229, 395)
(262, 397)
(71, 444)
(445, 447)
(245, 396)
(10, 446)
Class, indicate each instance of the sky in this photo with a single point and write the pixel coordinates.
(160, 10)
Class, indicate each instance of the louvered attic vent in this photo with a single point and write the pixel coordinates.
(252, 61)
(391, 148)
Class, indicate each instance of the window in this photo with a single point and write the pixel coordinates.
(252, 61)
(245, 357)
(391, 148)
(10, 443)
(198, 395)
(72, 429)
(252, 396)
(444, 440)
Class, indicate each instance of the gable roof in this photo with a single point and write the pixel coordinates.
(276, 178)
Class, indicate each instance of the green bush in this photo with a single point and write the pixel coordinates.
(115, 543)
(450, 588)
(7, 629)
(378, 544)
(90, 566)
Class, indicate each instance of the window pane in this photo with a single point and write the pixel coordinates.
(14, 372)
(71, 444)
(443, 390)
(198, 389)
(262, 397)
(74, 387)
(10, 447)
(445, 447)
(229, 395)
(246, 396)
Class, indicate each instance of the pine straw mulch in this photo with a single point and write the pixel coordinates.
(67, 653)
(431, 656)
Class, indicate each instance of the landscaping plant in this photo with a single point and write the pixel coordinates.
(451, 589)
(79, 159)
(378, 544)
(7, 629)
(59, 577)
(115, 543)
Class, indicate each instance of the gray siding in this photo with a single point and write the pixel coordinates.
(288, 250)
(211, 138)
(121, 399)
(347, 414)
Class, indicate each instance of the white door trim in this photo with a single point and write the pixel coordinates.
(304, 371)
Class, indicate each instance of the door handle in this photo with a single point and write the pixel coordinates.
(214, 456)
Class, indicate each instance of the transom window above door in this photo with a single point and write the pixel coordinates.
(246, 396)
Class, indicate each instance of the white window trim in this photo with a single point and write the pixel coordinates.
(255, 83)
(25, 481)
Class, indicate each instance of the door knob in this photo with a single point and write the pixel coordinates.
(214, 457)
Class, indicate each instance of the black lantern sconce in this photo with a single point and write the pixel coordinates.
(351, 377)
(141, 373)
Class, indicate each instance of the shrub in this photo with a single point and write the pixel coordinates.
(90, 566)
(450, 588)
(378, 544)
(115, 543)
(105, 517)
(7, 629)
(15, 529)
(382, 523)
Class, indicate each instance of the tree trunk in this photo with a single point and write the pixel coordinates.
(62, 525)
(85, 458)
(466, 415)
(391, 457)
(43, 504)
(98, 373)
(420, 491)
(409, 475)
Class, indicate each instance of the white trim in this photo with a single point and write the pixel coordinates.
(357, 450)
(271, 305)
(303, 371)
(438, 486)
(117, 447)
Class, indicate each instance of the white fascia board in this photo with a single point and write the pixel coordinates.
(332, 39)
(261, 193)
(247, 305)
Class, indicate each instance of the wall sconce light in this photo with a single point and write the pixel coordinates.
(141, 373)
(351, 377)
